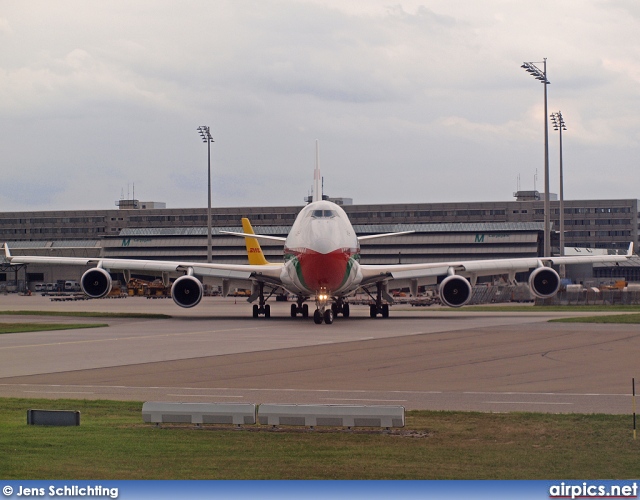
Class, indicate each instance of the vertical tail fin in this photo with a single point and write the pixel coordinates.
(254, 251)
(317, 178)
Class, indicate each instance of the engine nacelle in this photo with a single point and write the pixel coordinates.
(455, 291)
(187, 291)
(544, 282)
(96, 283)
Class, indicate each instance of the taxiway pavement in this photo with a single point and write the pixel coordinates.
(420, 358)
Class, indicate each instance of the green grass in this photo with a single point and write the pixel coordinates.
(113, 443)
(621, 319)
(530, 308)
(43, 327)
(633, 318)
(86, 314)
(36, 327)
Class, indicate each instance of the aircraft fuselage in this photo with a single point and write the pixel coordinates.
(322, 252)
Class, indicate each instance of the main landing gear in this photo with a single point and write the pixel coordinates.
(341, 307)
(300, 308)
(261, 308)
(264, 310)
(379, 307)
(382, 310)
(327, 309)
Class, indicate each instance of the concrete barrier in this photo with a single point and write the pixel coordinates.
(199, 413)
(53, 417)
(331, 415)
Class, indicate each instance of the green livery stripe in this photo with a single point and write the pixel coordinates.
(350, 262)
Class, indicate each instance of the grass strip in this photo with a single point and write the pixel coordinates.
(43, 327)
(113, 443)
(625, 319)
(529, 309)
(80, 314)
(620, 319)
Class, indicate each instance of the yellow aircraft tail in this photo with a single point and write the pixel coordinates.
(254, 252)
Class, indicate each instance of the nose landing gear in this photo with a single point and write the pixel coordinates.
(323, 313)
(329, 308)
(326, 315)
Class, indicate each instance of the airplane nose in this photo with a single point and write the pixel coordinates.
(324, 245)
(323, 270)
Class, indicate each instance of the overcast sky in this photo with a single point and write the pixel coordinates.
(411, 101)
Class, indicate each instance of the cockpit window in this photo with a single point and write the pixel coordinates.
(323, 214)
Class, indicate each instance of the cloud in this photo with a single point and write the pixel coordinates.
(5, 27)
(74, 83)
(405, 98)
(32, 193)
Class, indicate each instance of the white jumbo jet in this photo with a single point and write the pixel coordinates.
(321, 261)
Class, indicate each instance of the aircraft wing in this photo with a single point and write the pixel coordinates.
(375, 236)
(473, 268)
(252, 235)
(222, 271)
(281, 238)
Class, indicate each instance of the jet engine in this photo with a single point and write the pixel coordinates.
(96, 283)
(455, 291)
(544, 282)
(187, 291)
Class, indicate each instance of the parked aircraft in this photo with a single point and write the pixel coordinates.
(321, 262)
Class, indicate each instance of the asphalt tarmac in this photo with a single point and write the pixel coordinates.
(419, 358)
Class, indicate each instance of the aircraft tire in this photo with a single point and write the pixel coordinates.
(267, 311)
(373, 310)
(294, 310)
(328, 316)
(385, 310)
(345, 311)
(305, 310)
(256, 311)
(317, 317)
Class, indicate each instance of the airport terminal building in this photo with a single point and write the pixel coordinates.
(442, 231)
